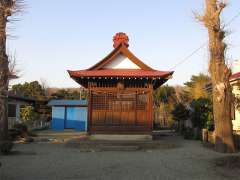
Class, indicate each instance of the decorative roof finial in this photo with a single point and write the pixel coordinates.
(120, 38)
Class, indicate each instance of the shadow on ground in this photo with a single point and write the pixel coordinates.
(228, 166)
(87, 145)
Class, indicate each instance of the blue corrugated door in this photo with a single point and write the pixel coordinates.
(81, 124)
(58, 118)
(70, 118)
(76, 118)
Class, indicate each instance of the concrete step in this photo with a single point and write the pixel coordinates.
(113, 137)
(118, 148)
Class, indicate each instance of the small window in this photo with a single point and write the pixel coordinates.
(11, 110)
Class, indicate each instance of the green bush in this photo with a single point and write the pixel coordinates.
(210, 125)
(201, 113)
(29, 115)
(180, 112)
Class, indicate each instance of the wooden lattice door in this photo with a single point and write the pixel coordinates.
(114, 111)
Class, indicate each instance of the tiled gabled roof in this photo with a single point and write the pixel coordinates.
(235, 76)
(138, 73)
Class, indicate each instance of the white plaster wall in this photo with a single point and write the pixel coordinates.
(236, 121)
(236, 92)
(121, 62)
(236, 66)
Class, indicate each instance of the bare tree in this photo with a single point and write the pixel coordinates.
(220, 74)
(14, 72)
(45, 86)
(7, 9)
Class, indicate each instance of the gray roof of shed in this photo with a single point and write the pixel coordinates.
(67, 103)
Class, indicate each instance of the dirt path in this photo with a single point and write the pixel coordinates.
(42, 161)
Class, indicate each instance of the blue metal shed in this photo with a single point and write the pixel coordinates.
(69, 114)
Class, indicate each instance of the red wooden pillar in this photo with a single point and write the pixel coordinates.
(151, 107)
(89, 108)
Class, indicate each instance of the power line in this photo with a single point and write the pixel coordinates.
(204, 44)
(233, 18)
(189, 56)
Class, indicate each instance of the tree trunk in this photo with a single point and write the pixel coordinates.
(4, 71)
(220, 74)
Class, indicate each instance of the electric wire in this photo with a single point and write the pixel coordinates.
(203, 45)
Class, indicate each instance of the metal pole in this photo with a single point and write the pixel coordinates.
(80, 93)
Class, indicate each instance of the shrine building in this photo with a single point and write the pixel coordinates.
(120, 91)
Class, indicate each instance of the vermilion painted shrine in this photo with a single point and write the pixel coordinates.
(120, 91)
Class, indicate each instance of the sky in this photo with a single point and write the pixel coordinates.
(54, 36)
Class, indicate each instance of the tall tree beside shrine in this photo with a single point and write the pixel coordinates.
(7, 9)
(220, 74)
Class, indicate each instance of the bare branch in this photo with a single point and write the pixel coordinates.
(220, 8)
(198, 16)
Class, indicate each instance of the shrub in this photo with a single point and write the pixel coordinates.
(21, 131)
(13, 134)
(32, 134)
(180, 114)
(202, 113)
(188, 133)
(6, 147)
(21, 127)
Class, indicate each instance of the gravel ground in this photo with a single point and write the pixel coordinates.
(189, 160)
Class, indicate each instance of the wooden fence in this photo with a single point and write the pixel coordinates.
(36, 125)
(12, 121)
(40, 125)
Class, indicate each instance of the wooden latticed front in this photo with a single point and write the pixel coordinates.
(116, 112)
